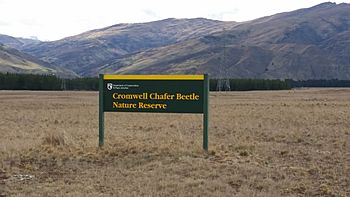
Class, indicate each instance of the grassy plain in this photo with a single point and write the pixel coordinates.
(272, 143)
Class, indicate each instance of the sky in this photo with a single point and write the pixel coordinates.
(50, 20)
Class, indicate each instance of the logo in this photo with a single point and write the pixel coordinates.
(109, 86)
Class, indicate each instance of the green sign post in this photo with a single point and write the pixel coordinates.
(154, 93)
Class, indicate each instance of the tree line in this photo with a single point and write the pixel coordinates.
(319, 83)
(248, 84)
(12, 81)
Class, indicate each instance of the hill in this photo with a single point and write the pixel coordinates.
(308, 43)
(86, 52)
(14, 61)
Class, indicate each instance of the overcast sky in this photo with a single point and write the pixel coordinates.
(56, 19)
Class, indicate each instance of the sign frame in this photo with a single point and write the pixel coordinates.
(205, 78)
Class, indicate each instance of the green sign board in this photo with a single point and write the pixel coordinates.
(154, 93)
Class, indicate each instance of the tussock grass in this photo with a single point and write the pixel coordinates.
(55, 139)
(283, 143)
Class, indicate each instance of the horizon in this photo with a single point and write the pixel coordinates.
(31, 24)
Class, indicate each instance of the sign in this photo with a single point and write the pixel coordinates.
(154, 94)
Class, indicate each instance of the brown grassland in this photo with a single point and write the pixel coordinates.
(272, 143)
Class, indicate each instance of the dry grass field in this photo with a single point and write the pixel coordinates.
(273, 143)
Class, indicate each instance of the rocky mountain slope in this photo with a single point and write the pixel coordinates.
(88, 51)
(310, 43)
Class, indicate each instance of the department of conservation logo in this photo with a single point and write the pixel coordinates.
(109, 86)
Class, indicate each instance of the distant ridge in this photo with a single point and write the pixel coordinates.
(309, 43)
(86, 52)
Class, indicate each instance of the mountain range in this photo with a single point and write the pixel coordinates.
(14, 61)
(310, 43)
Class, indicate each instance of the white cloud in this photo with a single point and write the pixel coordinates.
(55, 19)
